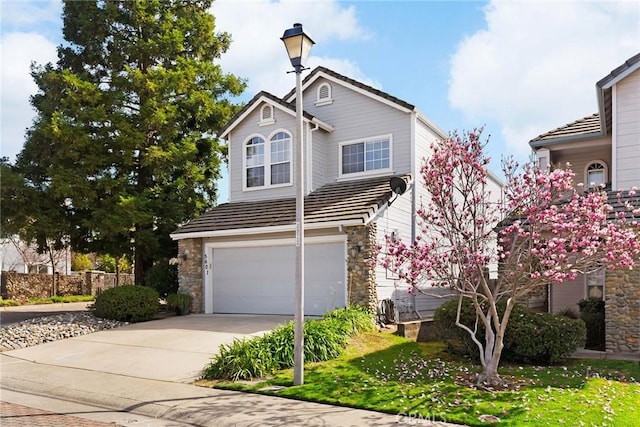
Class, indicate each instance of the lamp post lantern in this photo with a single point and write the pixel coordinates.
(298, 46)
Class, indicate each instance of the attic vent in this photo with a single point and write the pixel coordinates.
(324, 94)
(266, 116)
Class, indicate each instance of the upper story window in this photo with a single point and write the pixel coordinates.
(596, 174)
(366, 156)
(280, 158)
(266, 115)
(255, 162)
(268, 163)
(324, 95)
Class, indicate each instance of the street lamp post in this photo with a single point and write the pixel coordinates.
(298, 46)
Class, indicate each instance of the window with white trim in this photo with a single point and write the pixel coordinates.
(596, 174)
(323, 95)
(365, 156)
(268, 163)
(280, 158)
(254, 152)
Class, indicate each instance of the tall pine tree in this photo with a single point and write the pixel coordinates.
(124, 144)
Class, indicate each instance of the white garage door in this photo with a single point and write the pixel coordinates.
(261, 280)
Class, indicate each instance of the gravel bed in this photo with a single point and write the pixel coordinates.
(52, 328)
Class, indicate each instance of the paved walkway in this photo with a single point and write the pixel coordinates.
(12, 415)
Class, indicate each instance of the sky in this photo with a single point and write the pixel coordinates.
(516, 68)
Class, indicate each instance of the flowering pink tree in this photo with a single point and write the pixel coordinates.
(540, 231)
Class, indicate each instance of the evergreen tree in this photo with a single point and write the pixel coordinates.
(124, 145)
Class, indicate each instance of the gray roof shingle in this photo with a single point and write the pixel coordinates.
(592, 125)
(589, 125)
(339, 202)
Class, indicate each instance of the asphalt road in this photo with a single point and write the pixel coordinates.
(9, 315)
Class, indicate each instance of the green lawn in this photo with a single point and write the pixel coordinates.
(50, 300)
(387, 373)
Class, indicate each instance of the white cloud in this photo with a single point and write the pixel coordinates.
(257, 53)
(21, 13)
(535, 66)
(18, 51)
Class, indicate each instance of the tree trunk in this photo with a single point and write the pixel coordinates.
(142, 264)
(489, 375)
(492, 351)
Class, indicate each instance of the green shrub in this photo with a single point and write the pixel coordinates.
(543, 338)
(163, 277)
(127, 304)
(324, 339)
(592, 312)
(180, 303)
(530, 337)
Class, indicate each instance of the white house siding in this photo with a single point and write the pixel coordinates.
(396, 218)
(626, 131)
(357, 116)
(236, 140)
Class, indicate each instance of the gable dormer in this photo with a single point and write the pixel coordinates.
(606, 145)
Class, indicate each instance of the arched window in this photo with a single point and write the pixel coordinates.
(254, 161)
(596, 174)
(324, 94)
(280, 158)
(268, 162)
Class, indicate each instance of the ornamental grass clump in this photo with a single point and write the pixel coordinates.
(324, 339)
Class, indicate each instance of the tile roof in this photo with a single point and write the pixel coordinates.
(618, 201)
(374, 91)
(592, 125)
(604, 88)
(619, 71)
(338, 202)
(589, 125)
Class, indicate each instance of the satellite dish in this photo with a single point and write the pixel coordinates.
(398, 185)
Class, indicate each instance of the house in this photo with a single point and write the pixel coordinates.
(239, 256)
(22, 257)
(603, 150)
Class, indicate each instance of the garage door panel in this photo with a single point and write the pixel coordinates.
(261, 280)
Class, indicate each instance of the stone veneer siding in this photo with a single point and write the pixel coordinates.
(361, 274)
(190, 272)
(622, 310)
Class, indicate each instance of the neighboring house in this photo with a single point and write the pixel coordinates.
(239, 257)
(21, 257)
(603, 150)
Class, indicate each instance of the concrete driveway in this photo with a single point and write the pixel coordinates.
(173, 349)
